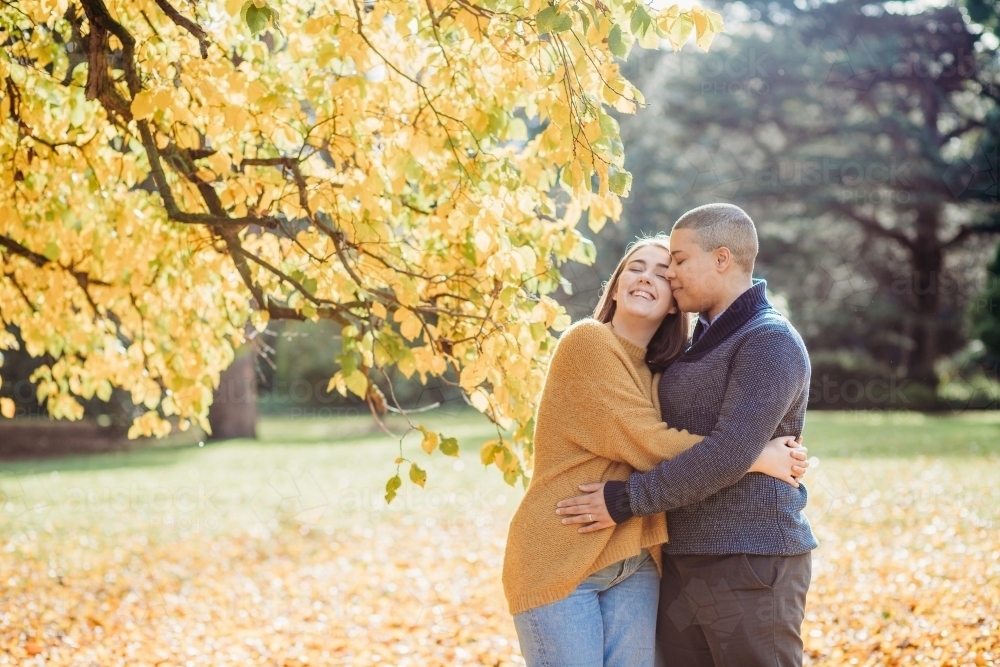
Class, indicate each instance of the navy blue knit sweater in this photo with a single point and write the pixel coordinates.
(745, 381)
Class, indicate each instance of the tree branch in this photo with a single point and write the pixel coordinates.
(18, 249)
(965, 231)
(873, 226)
(186, 23)
(100, 86)
(82, 278)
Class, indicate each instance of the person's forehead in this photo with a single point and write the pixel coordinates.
(650, 252)
(683, 240)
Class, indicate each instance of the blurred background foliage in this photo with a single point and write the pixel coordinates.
(862, 139)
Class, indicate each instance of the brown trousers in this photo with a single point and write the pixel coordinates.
(740, 610)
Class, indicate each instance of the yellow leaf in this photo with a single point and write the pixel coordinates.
(357, 383)
(7, 408)
(337, 381)
(680, 30)
(473, 375)
(418, 475)
(480, 401)
(431, 440)
(162, 99)
(649, 39)
(487, 451)
(714, 20)
(704, 26)
(411, 327)
(142, 104)
(236, 118)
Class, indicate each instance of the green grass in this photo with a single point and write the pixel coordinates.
(884, 434)
(305, 470)
(337, 466)
(880, 434)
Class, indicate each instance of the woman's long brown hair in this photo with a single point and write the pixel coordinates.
(671, 337)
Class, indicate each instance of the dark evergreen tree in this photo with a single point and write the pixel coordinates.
(863, 140)
(986, 311)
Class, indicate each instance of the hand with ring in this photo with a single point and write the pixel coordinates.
(587, 509)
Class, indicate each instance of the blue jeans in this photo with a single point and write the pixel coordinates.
(608, 621)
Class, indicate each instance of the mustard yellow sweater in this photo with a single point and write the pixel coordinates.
(596, 421)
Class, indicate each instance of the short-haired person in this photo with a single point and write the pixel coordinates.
(737, 567)
(582, 598)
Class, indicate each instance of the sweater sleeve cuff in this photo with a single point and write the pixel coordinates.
(617, 501)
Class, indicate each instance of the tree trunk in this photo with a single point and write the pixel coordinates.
(234, 406)
(927, 256)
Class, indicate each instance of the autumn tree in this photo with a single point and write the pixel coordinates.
(169, 176)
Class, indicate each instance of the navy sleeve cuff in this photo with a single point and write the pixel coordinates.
(617, 501)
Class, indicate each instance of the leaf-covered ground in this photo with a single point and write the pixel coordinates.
(286, 554)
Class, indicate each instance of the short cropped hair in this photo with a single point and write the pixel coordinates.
(723, 226)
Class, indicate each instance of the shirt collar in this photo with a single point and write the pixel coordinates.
(704, 320)
(748, 305)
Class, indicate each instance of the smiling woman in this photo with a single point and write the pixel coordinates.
(639, 297)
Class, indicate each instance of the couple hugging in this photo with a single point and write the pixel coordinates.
(645, 421)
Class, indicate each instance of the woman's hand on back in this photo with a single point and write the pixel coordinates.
(588, 509)
(783, 458)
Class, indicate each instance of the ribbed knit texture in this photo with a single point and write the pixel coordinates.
(745, 381)
(596, 421)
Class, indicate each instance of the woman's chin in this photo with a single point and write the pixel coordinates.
(645, 315)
